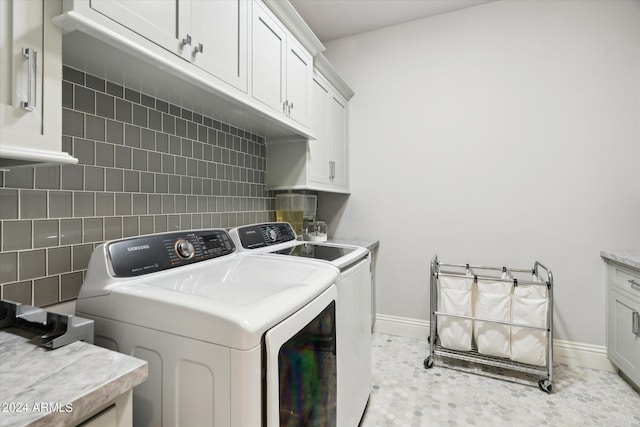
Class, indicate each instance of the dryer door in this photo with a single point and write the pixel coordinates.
(301, 366)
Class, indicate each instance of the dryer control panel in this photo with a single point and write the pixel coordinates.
(261, 235)
(148, 254)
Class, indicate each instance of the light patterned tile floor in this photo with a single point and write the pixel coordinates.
(404, 393)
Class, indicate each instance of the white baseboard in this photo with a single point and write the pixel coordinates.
(565, 352)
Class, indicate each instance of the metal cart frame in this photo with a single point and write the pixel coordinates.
(436, 349)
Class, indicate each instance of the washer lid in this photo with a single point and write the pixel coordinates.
(231, 301)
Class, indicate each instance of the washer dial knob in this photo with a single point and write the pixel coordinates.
(184, 248)
(272, 234)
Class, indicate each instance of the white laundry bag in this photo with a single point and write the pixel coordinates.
(493, 302)
(454, 297)
(529, 306)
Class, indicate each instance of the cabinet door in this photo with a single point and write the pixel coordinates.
(318, 155)
(623, 345)
(220, 27)
(268, 60)
(338, 129)
(106, 418)
(30, 133)
(21, 28)
(299, 77)
(160, 21)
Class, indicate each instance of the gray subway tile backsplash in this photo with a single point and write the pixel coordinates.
(72, 123)
(9, 205)
(105, 106)
(94, 82)
(70, 231)
(47, 177)
(16, 235)
(19, 178)
(84, 100)
(70, 285)
(59, 260)
(95, 128)
(60, 204)
(146, 166)
(32, 264)
(46, 291)
(18, 292)
(46, 233)
(8, 267)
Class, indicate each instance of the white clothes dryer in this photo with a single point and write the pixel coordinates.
(230, 340)
(353, 306)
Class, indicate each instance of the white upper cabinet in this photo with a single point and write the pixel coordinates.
(327, 155)
(320, 164)
(338, 141)
(281, 68)
(220, 44)
(210, 34)
(249, 63)
(299, 77)
(268, 60)
(318, 151)
(30, 84)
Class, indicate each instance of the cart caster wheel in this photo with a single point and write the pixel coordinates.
(428, 362)
(545, 385)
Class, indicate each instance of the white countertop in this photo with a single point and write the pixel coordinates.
(80, 377)
(369, 244)
(630, 258)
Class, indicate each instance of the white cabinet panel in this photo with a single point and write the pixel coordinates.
(282, 69)
(299, 77)
(268, 67)
(623, 320)
(220, 29)
(318, 156)
(156, 20)
(338, 141)
(30, 84)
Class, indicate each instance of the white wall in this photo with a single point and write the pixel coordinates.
(498, 135)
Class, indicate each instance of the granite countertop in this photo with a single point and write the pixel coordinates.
(80, 377)
(630, 258)
(369, 244)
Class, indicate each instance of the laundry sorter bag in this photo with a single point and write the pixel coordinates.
(454, 297)
(529, 306)
(493, 302)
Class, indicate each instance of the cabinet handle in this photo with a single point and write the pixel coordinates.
(186, 40)
(635, 285)
(198, 48)
(332, 169)
(32, 58)
(290, 107)
(635, 323)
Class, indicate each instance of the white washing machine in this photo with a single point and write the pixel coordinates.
(353, 307)
(230, 340)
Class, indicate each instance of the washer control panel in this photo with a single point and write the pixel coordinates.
(261, 235)
(148, 254)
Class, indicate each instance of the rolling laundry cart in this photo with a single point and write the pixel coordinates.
(494, 316)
